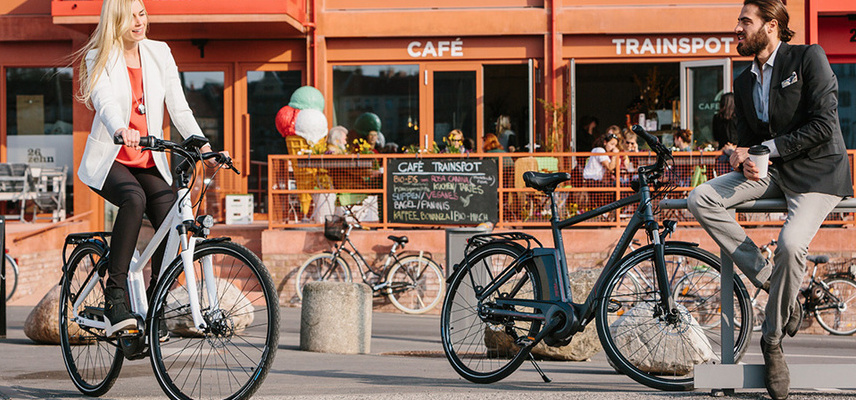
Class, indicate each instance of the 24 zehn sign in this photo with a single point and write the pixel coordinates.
(441, 191)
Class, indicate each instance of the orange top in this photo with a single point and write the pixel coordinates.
(128, 156)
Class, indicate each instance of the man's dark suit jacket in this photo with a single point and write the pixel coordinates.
(803, 121)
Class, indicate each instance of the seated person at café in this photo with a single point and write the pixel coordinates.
(337, 140)
(683, 140)
(599, 168)
(492, 144)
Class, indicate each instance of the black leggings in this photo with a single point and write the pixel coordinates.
(135, 191)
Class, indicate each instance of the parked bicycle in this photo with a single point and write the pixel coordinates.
(413, 283)
(10, 276)
(510, 293)
(211, 327)
(830, 299)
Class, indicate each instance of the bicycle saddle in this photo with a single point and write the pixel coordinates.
(818, 259)
(398, 239)
(545, 182)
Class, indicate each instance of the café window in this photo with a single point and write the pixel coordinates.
(616, 94)
(39, 118)
(204, 93)
(846, 74)
(389, 91)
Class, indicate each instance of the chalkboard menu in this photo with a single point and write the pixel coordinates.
(440, 191)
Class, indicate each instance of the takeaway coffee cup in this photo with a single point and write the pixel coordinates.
(760, 155)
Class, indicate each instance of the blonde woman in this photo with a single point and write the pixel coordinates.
(128, 80)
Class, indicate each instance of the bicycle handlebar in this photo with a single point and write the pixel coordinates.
(154, 144)
(662, 151)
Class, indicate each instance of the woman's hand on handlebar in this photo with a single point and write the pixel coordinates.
(130, 137)
(212, 162)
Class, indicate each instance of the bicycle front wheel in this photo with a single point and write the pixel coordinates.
(231, 356)
(484, 349)
(92, 361)
(11, 277)
(415, 284)
(657, 349)
(321, 267)
(837, 311)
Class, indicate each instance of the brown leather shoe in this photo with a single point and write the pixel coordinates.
(794, 321)
(777, 377)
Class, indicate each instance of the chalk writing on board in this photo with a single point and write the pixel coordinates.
(442, 191)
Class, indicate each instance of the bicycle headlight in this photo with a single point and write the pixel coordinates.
(206, 221)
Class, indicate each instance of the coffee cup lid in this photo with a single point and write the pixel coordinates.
(759, 150)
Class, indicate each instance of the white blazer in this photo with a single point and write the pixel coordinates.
(111, 97)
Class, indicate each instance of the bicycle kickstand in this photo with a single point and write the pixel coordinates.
(537, 368)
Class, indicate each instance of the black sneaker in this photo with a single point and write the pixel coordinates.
(117, 317)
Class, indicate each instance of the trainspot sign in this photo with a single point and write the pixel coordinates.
(673, 45)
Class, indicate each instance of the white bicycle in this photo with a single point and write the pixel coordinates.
(212, 324)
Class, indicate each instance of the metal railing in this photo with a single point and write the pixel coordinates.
(303, 189)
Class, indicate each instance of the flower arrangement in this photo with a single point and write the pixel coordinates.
(361, 146)
(320, 147)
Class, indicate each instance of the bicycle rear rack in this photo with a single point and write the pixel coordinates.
(516, 237)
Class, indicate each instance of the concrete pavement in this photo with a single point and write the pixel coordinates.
(392, 370)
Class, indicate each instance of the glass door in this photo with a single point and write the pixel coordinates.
(210, 100)
(452, 92)
(264, 90)
(702, 84)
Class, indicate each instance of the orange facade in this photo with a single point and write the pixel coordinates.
(539, 50)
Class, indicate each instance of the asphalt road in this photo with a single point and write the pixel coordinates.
(391, 371)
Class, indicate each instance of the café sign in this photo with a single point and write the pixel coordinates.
(436, 48)
(673, 45)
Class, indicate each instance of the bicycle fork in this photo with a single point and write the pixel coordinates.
(667, 303)
(188, 246)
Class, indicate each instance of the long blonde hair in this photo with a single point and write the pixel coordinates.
(116, 19)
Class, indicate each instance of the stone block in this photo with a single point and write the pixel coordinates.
(42, 324)
(336, 318)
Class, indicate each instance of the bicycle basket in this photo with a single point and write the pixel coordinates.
(334, 227)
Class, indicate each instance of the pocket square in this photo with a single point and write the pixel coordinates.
(791, 80)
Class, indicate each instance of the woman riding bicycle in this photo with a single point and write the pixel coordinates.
(128, 79)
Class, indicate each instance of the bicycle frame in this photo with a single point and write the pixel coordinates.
(390, 259)
(182, 211)
(553, 274)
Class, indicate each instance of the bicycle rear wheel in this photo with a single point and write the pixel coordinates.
(93, 361)
(643, 342)
(415, 284)
(321, 267)
(231, 357)
(838, 315)
(483, 349)
(11, 276)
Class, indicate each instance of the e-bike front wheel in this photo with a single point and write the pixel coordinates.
(415, 284)
(93, 361)
(321, 267)
(231, 356)
(658, 348)
(837, 310)
(486, 348)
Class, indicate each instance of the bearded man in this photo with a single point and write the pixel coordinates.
(788, 102)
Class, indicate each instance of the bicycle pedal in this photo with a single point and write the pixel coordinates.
(129, 333)
(613, 306)
(524, 341)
